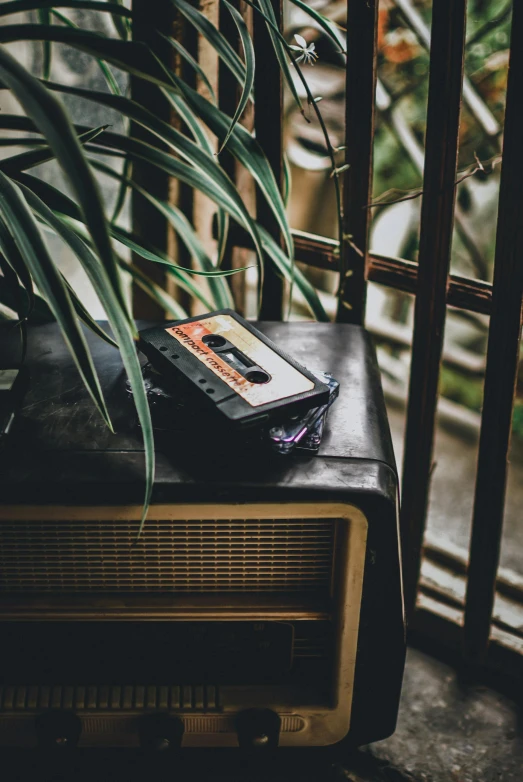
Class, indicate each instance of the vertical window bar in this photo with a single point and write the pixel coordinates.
(362, 16)
(437, 219)
(181, 193)
(501, 372)
(227, 84)
(268, 119)
(228, 96)
(146, 220)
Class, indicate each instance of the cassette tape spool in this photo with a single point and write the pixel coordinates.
(222, 361)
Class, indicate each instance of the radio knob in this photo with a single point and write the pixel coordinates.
(58, 729)
(258, 729)
(160, 732)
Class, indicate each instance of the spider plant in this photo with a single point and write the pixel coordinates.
(30, 207)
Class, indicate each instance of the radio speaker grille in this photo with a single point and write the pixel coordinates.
(189, 556)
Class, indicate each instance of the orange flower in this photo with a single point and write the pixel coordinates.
(383, 25)
(401, 45)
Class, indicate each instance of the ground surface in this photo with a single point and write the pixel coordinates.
(452, 488)
(447, 733)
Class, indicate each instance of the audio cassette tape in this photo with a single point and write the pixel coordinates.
(221, 361)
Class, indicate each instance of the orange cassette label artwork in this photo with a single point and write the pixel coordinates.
(284, 380)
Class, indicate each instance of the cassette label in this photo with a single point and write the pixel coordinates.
(276, 379)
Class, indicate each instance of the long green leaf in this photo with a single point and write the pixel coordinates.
(150, 253)
(223, 48)
(287, 180)
(14, 258)
(28, 304)
(49, 281)
(187, 56)
(246, 150)
(121, 22)
(161, 297)
(184, 146)
(19, 122)
(15, 122)
(20, 142)
(61, 203)
(139, 246)
(200, 136)
(222, 219)
(293, 275)
(20, 6)
(137, 59)
(44, 17)
(50, 195)
(119, 324)
(194, 178)
(106, 71)
(167, 163)
(36, 157)
(12, 294)
(131, 56)
(219, 288)
(179, 104)
(66, 210)
(279, 51)
(205, 165)
(41, 312)
(48, 114)
(86, 317)
(190, 238)
(326, 24)
(248, 50)
(122, 190)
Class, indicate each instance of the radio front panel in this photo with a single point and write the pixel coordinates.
(217, 608)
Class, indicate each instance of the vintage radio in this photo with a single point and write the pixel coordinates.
(263, 602)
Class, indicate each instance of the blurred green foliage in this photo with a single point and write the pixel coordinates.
(403, 67)
(467, 392)
(517, 419)
(402, 94)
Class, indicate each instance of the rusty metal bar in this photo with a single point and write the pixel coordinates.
(437, 220)
(268, 124)
(462, 292)
(454, 558)
(438, 630)
(398, 273)
(362, 30)
(502, 363)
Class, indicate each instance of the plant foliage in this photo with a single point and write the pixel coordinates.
(30, 207)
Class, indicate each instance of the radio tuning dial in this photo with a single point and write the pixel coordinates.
(160, 732)
(258, 729)
(58, 729)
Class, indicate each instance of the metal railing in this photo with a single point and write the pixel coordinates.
(466, 626)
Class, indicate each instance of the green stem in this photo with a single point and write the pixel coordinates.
(330, 149)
